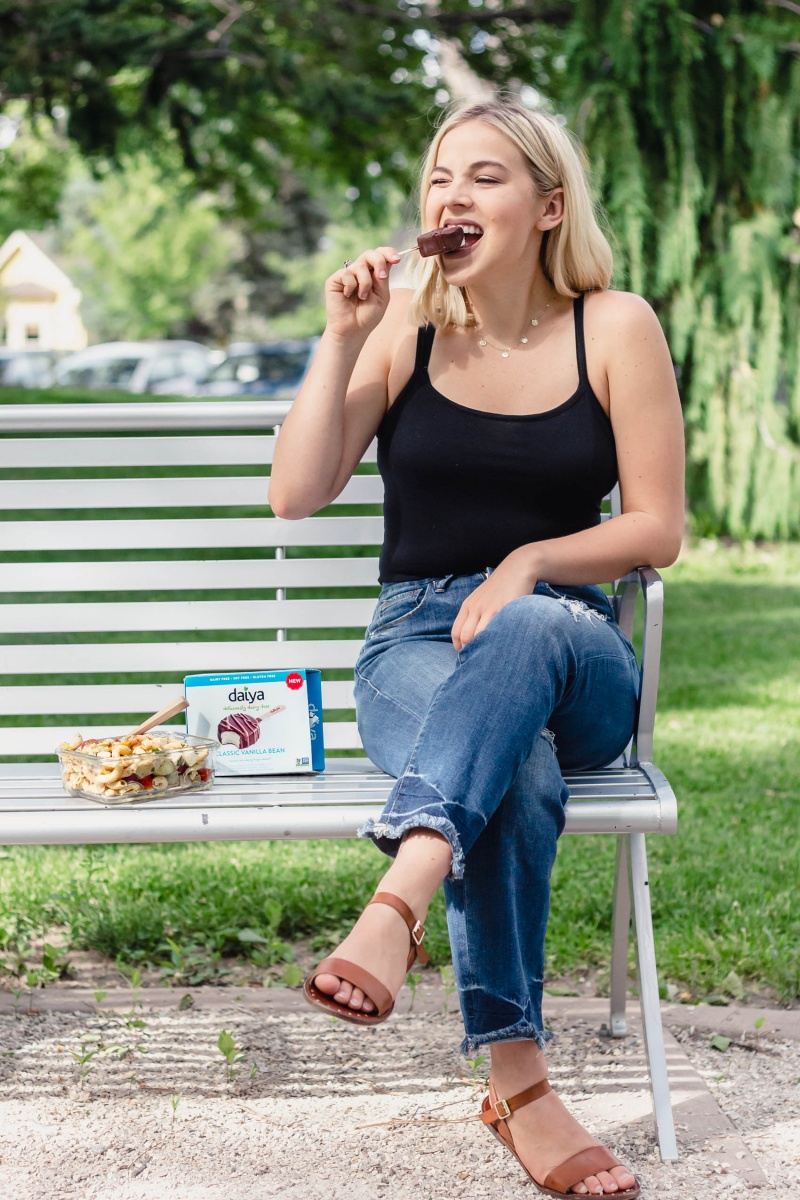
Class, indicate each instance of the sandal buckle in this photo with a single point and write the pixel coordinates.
(502, 1111)
(418, 933)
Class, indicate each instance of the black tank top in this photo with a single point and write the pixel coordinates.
(464, 487)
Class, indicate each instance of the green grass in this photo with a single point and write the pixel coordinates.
(724, 888)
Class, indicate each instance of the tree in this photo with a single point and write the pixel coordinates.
(145, 252)
(691, 114)
(242, 88)
(34, 162)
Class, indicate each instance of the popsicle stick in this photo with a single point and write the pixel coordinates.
(410, 250)
(163, 714)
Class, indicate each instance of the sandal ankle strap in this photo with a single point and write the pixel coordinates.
(500, 1110)
(415, 928)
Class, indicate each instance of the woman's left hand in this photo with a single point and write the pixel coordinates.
(514, 577)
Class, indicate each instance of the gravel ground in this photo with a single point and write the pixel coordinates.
(316, 1108)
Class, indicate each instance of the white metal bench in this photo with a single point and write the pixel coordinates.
(103, 577)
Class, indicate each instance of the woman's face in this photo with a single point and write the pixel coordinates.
(481, 181)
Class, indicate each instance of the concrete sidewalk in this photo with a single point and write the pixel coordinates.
(379, 1112)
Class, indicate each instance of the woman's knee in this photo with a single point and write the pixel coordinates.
(529, 617)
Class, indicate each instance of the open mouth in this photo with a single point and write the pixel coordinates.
(472, 235)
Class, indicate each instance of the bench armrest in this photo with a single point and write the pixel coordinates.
(652, 590)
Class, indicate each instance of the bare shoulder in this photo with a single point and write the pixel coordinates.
(612, 314)
(623, 337)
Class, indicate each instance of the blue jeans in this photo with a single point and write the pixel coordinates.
(477, 740)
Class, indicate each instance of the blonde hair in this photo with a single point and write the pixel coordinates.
(576, 256)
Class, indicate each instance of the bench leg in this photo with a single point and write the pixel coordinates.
(620, 938)
(651, 1008)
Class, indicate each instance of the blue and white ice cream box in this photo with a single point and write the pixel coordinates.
(267, 722)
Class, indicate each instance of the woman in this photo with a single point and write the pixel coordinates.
(508, 393)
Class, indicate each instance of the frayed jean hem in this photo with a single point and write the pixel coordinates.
(523, 1031)
(386, 835)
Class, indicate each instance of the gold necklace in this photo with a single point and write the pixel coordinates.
(505, 352)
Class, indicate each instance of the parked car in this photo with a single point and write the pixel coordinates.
(166, 368)
(260, 369)
(26, 368)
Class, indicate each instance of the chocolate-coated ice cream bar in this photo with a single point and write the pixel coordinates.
(438, 241)
(240, 729)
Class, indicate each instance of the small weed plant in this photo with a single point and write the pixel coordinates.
(174, 1101)
(232, 1053)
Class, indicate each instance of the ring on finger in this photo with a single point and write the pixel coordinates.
(348, 262)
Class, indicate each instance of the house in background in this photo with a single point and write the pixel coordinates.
(39, 304)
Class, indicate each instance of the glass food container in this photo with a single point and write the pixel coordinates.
(136, 767)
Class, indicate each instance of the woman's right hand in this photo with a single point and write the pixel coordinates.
(356, 296)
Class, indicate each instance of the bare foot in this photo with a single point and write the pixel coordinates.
(379, 940)
(379, 943)
(545, 1133)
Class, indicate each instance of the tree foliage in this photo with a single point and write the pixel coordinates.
(692, 117)
(146, 252)
(244, 87)
(33, 171)
(690, 112)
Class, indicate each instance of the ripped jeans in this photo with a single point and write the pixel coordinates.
(477, 740)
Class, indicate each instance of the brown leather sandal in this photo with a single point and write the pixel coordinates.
(559, 1182)
(380, 996)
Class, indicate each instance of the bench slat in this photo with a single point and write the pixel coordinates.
(188, 614)
(125, 697)
(146, 415)
(190, 575)
(259, 823)
(190, 533)
(355, 777)
(194, 491)
(223, 450)
(179, 451)
(183, 657)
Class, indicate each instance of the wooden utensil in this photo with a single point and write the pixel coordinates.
(163, 714)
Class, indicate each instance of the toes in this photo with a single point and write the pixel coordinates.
(623, 1178)
(361, 1000)
(355, 998)
(593, 1186)
(343, 992)
(331, 985)
(607, 1182)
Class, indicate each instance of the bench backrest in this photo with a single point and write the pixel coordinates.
(137, 546)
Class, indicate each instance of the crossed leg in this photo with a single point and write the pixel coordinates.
(525, 825)
(545, 1134)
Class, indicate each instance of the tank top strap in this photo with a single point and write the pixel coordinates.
(580, 343)
(425, 336)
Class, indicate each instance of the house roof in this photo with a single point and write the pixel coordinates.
(40, 242)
